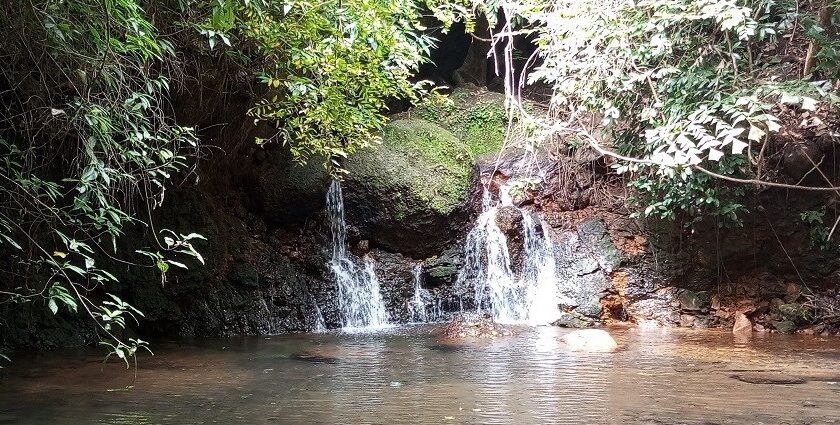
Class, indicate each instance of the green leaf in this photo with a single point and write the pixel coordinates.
(162, 266)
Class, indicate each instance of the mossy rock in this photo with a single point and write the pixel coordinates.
(796, 313)
(285, 192)
(404, 191)
(477, 117)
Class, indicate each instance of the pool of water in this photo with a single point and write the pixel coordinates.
(409, 376)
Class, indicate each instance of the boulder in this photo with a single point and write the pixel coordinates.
(573, 320)
(592, 340)
(742, 325)
(474, 326)
(784, 326)
(411, 193)
(692, 301)
(475, 116)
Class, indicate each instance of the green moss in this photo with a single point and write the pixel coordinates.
(420, 165)
(399, 208)
(476, 117)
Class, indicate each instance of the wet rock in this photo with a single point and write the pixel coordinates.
(244, 274)
(686, 321)
(742, 325)
(363, 246)
(473, 326)
(509, 220)
(657, 307)
(784, 326)
(573, 320)
(396, 282)
(580, 278)
(715, 302)
(592, 340)
(593, 232)
(443, 269)
(761, 308)
(693, 301)
(746, 307)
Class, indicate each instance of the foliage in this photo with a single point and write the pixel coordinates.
(328, 68)
(677, 90)
(819, 233)
(89, 142)
(87, 147)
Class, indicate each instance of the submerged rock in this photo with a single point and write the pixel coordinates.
(784, 326)
(573, 320)
(594, 340)
(474, 326)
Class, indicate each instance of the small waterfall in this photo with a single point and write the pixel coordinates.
(539, 272)
(528, 296)
(320, 324)
(359, 299)
(423, 301)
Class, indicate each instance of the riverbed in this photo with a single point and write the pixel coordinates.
(407, 375)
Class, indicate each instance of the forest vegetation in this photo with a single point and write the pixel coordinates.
(694, 102)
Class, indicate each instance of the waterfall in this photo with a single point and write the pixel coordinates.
(423, 307)
(539, 272)
(529, 296)
(320, 324)
(359, 300)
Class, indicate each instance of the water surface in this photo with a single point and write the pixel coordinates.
(407, 376)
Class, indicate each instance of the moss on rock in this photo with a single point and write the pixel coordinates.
(475, 116)
(419, 164)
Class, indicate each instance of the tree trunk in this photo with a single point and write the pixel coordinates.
(825, 15)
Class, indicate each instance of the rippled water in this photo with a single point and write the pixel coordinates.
(407, 376)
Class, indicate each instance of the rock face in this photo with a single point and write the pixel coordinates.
(579, 266)
(283, 192)
(590, 340)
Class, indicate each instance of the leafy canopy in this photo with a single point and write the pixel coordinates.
(328, 68)
(680, 92)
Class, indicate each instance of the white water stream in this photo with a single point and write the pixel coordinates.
(359, 299)
(528, 296)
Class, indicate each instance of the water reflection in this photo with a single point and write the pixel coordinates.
(407, 376)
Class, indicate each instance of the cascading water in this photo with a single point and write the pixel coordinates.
(320, 324)
(539, 273)
(422, 307)
(529, 296)
(359, 299)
